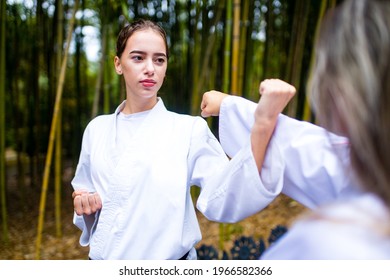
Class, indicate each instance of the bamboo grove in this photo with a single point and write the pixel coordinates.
(51, 84)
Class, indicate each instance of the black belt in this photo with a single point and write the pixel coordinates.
(185, 256)
(181, 259)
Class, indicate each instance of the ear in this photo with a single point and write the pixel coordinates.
(118, 66)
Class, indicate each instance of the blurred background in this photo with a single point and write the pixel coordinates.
(56, 74)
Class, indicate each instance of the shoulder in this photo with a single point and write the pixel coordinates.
(195, 126)
(100, 120)
(184, 117)
(163, 113)
(98, 126)
(196, 123)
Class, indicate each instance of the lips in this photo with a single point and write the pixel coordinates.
(148, 83)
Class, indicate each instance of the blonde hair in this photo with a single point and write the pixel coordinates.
(350, 86)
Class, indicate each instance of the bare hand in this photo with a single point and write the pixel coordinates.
(211, 103)
(85, 202)
(275, 95)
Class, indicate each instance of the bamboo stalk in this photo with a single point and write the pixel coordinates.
(236, 47)
(297, 42)
(324, 5)
(227, 46)
(58, 175)
(58, 147)
(243, 46)
(197, 52)
(204, 70)
(52, 135)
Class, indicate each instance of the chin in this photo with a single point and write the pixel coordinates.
(149, 94)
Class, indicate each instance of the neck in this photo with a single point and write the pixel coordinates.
(135, 106)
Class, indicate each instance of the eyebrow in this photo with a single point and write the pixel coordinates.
(142, 52)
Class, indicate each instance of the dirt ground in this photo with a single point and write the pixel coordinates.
(23, 221)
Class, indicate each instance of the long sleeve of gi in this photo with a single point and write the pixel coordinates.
(235, 190)
(312, 159)
(84, 182)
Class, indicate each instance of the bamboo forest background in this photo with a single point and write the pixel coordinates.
(56, 72)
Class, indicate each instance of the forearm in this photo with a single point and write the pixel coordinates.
(261, 134)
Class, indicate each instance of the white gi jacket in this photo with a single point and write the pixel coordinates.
(353, 228)
(147, 210)
(315, 161)
(349, 224)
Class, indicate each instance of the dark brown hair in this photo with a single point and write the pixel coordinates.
(137, 25)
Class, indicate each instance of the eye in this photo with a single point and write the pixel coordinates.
(137, 58)
(160, 60)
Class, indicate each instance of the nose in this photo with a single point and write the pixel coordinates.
(149, 67)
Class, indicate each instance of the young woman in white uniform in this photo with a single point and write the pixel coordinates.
(348, 177)
(132, 184)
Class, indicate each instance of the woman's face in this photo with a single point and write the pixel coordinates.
(143, 64)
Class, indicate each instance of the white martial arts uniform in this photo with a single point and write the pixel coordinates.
(353, 228)
(147, 210)
(349, 224)
(315, 162)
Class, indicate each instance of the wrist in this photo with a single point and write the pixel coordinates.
(264, 127)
